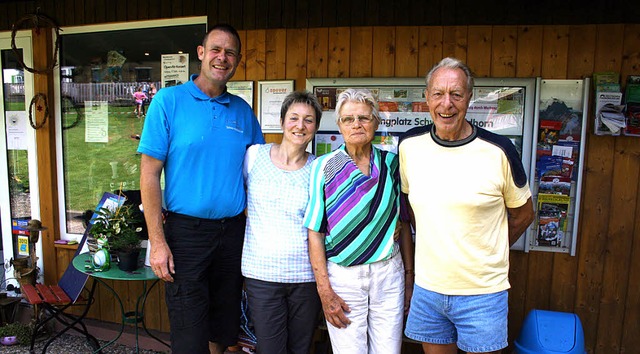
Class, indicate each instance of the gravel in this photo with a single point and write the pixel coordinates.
(72, 344)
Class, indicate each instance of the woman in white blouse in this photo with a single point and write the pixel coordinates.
(281, 289)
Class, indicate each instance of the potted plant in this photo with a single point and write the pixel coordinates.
(115, 229)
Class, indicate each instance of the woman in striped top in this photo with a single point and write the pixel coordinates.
(352, 217)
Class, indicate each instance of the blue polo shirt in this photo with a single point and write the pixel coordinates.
(202, 142)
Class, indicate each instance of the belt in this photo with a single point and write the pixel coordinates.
(178, 216)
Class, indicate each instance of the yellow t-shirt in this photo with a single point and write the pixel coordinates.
(460, 193)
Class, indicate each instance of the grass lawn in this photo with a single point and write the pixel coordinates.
(90, 169)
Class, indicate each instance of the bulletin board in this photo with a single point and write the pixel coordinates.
(504, 106)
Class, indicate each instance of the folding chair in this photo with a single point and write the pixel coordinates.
(56, 299)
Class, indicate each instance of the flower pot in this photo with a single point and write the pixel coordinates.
(128, 261)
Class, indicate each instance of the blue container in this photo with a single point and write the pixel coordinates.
(550, 332)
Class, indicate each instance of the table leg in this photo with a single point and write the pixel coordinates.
(140, 310)
(115, 295)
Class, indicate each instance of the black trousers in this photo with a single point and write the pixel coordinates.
(204, 299)
(284, 316)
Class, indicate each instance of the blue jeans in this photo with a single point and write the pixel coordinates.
(204, 299)
(477, 323)
(284, 315)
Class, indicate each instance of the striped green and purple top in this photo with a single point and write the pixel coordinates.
(357, 213)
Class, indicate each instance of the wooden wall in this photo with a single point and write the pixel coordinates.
(271, 14)
(602, 282)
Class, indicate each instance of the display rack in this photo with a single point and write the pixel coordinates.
(557, 170)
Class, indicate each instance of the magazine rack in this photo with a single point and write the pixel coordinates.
(558, 159)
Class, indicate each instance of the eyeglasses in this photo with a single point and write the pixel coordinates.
(362, 119)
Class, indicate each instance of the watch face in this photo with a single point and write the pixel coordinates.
(101, 260)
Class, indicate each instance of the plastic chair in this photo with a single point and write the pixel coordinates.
(550, 332)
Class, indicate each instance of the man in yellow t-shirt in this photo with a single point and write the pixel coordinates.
(468, 193)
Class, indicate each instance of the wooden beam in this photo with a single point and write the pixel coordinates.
(46, 152)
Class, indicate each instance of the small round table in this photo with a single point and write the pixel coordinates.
(82, 262)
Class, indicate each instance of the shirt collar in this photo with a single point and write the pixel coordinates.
(198, 94)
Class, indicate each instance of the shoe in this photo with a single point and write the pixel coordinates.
(135, 136)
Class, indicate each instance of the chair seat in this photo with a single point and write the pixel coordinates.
(50, 294)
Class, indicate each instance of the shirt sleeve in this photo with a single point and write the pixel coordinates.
(315, 215)
(154, 140)
(514, 196)
(249, 159)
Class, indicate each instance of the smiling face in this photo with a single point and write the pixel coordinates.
(448, 98)
(299, 124)
(358, 133)
(220, 57)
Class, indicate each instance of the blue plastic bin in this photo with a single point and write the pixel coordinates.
(550, 332)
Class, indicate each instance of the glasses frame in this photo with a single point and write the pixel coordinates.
(363, 119)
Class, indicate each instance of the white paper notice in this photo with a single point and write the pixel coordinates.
(175, 69)
(96, 115)
(16, 130)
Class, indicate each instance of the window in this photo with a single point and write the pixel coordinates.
(100, 68)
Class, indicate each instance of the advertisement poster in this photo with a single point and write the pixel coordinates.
(242, 89)
(96, 115)
(497, 109)
(271, 94)
(175, 69)
(23, 245)
(16, 130)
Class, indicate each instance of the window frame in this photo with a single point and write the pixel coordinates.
(62, 198)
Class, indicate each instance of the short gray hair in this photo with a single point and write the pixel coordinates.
(358, 95)
(451, 63)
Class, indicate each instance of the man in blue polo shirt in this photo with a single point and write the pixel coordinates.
(198, 134)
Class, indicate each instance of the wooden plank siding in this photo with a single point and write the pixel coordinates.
(369, 39)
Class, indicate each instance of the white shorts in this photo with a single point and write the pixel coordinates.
(375, 295)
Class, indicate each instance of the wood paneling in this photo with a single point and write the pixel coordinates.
(276, 50)
(406, 53)
(296, 62)
(630, 324)
(361, 45)
(384, 51)
(480, 42)
(254, 14)
(293, 40)
(504, 45)
(430, 48)
(339, 53)
(454, 42)
(317, 52)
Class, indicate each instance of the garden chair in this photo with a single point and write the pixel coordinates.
(56, 300)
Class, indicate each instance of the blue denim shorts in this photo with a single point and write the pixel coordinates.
(477, 323)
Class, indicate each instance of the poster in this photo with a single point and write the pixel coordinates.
(500, 110)
(23, 245)
(175, 69)
(242, 89)
(16, 123)
(96, 114)
(402, 103)
(271, 94)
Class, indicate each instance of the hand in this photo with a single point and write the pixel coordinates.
(334, 309)
(161, 260)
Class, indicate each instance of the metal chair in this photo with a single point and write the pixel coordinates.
(56, 300)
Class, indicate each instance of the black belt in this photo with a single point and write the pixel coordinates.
(201, 221)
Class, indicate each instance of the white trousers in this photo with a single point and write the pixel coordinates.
(375, 295)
